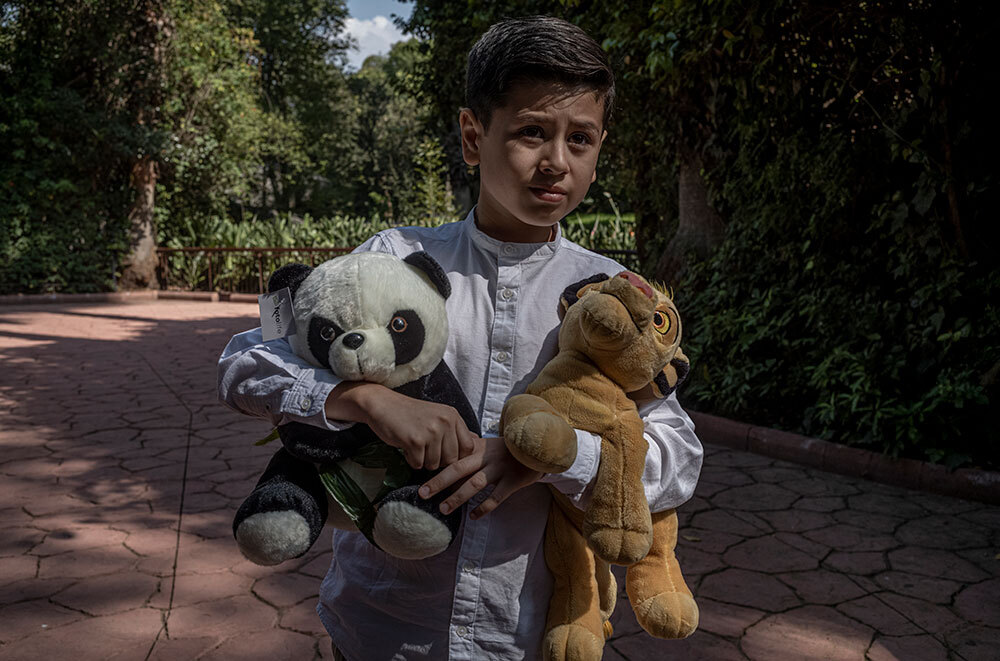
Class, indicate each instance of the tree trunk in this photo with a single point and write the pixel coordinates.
(139, 268)
(699, 228)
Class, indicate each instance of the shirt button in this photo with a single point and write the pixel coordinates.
(462, 631)
(508, 250)
(493, 426)
(469, 567)
(305, 404)
(502, 356)
(507, 294)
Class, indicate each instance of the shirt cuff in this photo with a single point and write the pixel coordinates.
(573, 481)
(305, 401)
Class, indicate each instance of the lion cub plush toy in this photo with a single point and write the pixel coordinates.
(618, 335)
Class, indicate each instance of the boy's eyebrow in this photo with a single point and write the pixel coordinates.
(529, 116)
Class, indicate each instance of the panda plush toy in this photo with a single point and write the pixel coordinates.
(366, 317)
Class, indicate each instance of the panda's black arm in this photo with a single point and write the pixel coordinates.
(442, 387)
(321, 446)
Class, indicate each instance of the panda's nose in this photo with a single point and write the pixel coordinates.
(354, 340)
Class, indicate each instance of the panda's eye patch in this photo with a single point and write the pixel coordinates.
(398, 324)
(328, 333)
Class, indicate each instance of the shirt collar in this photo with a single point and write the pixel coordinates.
(518, 250)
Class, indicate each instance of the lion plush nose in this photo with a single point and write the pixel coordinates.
(637, 282)
(354, 340)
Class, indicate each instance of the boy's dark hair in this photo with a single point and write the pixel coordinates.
(535, 48)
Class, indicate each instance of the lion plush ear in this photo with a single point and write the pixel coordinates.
(573, 293)
(673, 375)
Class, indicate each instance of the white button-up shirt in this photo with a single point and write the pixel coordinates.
(487, 595)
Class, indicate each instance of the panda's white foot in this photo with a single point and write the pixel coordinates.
(409, 532)
(270, 538)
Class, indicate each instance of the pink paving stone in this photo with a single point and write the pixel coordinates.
(810, 632)
(980, 603)
(725, 475)
(16, 540)
(208, 555)
(273, 644)
(17, 567)
(33, 617)
(747, 588)
(870, 520)
(769, 555)
(153, 541)
(975, 643)
(929, 617)
(706, 540)
(756, 497)
(205, 502)
(943, 532)
(796, 520)
(910, 648)
(316, 566)
(822, 587)
(933, 562)
(726, 619)
(286, 589)
(851, 538)
(699, 645)
(623, 622)
(303, 618)
(723, 521)
(54, 504)
(814, 549)
(31, 588)
(106, 595)
(694, 561)
(707, 489)
(210, 525)
(937, 590)
(169, 649)
(820, 503)
(874, 612)
(192, 589)
(88, 562)
(78, 538)
(223, 618)
(861, 563)
(884, 504)
(89, 639)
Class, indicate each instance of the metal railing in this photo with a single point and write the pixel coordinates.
(246, 270)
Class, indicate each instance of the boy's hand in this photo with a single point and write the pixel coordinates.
(490, 463)
(430, 435)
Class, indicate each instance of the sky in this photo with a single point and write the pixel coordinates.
(371, 26)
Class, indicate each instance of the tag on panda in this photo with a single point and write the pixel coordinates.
(276, 319)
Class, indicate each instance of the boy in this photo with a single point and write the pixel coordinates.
(539, 94)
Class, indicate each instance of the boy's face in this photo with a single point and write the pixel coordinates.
(537, 159)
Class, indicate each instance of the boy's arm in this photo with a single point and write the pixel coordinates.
(673, 463)
(673, 460)
(269, 380)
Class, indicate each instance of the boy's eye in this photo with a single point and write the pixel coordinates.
(580, 139)
(531, 132)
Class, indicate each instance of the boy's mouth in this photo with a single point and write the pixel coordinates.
(546, 194)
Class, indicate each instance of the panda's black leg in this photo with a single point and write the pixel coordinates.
(284, 514)
(409, 527)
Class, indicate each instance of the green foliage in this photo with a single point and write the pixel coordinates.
(433, 188)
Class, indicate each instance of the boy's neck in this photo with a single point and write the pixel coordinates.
(511, 230)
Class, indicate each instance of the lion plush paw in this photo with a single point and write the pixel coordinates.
(572, 642)
(668, 615)
(537, 436)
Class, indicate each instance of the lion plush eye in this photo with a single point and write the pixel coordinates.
(398, 324)
(328, 333)
(661, 322)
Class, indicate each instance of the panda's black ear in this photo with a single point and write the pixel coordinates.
(569, 295)
(289, 275)
(432, 269)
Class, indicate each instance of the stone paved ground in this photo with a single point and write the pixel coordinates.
(120, 473)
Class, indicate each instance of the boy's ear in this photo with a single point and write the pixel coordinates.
(471, 130)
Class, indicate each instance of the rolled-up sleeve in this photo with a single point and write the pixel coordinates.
(269, 380)
(673, 458)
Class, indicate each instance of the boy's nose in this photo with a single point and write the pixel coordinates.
(555, 161)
